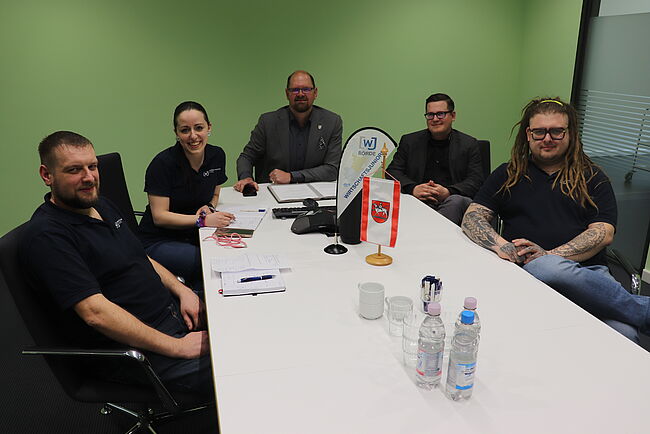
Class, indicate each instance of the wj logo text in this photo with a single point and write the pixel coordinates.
(367, 145)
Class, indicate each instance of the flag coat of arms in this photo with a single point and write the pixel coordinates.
(380, 211)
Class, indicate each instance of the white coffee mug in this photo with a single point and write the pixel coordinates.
(371, 300)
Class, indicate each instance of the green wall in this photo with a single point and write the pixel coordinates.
(114, 71)
(549, 48)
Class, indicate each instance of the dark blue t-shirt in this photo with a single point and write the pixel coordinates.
(534, 210)
(170, 175)
(69, 257)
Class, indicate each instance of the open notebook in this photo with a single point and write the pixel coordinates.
(297, 192)
(245, 223)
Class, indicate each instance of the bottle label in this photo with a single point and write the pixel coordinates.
(429, 364)
(462, 377)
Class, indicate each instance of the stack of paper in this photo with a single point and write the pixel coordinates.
(260, 274)
(267, 281)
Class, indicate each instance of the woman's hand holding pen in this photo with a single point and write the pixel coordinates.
(205, 210)
(219, 219)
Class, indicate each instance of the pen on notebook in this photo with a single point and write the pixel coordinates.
(254, 278)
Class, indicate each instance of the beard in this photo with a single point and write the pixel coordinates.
(301, 106)
(75, 201)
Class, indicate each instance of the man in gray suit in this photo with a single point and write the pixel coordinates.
(439, 165)
(300, 142)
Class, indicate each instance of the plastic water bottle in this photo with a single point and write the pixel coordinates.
(462, 359)
(470, 304)
(431, 345)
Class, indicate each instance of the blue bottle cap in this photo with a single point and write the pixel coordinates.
(467, 317)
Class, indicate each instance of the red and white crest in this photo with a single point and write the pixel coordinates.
(379, 211)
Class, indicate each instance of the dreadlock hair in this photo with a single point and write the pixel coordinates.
(578, 168)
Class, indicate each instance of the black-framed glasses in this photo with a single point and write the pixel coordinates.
(540, 133)
(439, 115)
(297, 90)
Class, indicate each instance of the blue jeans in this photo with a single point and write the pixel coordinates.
(596, 291)
(188, 375)
(182, 259)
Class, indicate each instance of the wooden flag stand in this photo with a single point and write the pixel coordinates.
(380, 259)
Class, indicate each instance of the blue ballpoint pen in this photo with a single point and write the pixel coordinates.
(254, 278)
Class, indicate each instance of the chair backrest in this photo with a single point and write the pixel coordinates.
(113, 186)
(37, 318)
(484, 148)
(77, 376)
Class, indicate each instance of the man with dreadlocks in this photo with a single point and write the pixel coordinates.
(559, 213)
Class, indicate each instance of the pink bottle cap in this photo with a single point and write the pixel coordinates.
(470, 303)
(434, 308)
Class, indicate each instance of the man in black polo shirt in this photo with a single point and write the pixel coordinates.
(79, 253)
(559, 213)
(300, 142)
(439, 165)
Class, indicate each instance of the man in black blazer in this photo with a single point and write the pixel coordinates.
(300, 142)
(439, 165)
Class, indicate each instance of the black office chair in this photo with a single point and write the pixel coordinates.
(623, 271)
(69, 365)
(113, 186)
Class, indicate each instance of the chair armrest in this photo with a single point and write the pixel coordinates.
(167, 399)
(51, 351)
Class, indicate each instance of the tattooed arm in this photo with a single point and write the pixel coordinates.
(596, 237)
(476, 225)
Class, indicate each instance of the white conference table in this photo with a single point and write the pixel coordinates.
(304, 361)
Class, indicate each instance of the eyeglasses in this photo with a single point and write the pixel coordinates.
(439, 115)
(297, 90)
(540, 133)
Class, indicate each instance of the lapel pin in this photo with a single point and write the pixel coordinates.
(320, 127)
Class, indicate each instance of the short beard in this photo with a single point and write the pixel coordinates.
(75, 202)
(78, 203)
(300, 107)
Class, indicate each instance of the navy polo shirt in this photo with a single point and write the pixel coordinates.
(534, 210)
(69, 257)
(170, 175)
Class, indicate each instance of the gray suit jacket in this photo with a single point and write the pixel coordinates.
(268, 147)
(409, 162)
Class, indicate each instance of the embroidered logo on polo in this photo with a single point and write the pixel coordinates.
(118, 223)
(210, 172)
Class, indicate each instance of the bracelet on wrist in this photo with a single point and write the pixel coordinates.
(200, 221)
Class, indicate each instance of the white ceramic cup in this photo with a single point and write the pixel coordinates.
(371, 300)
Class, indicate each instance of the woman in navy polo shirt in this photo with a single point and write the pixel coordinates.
(183, 184)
